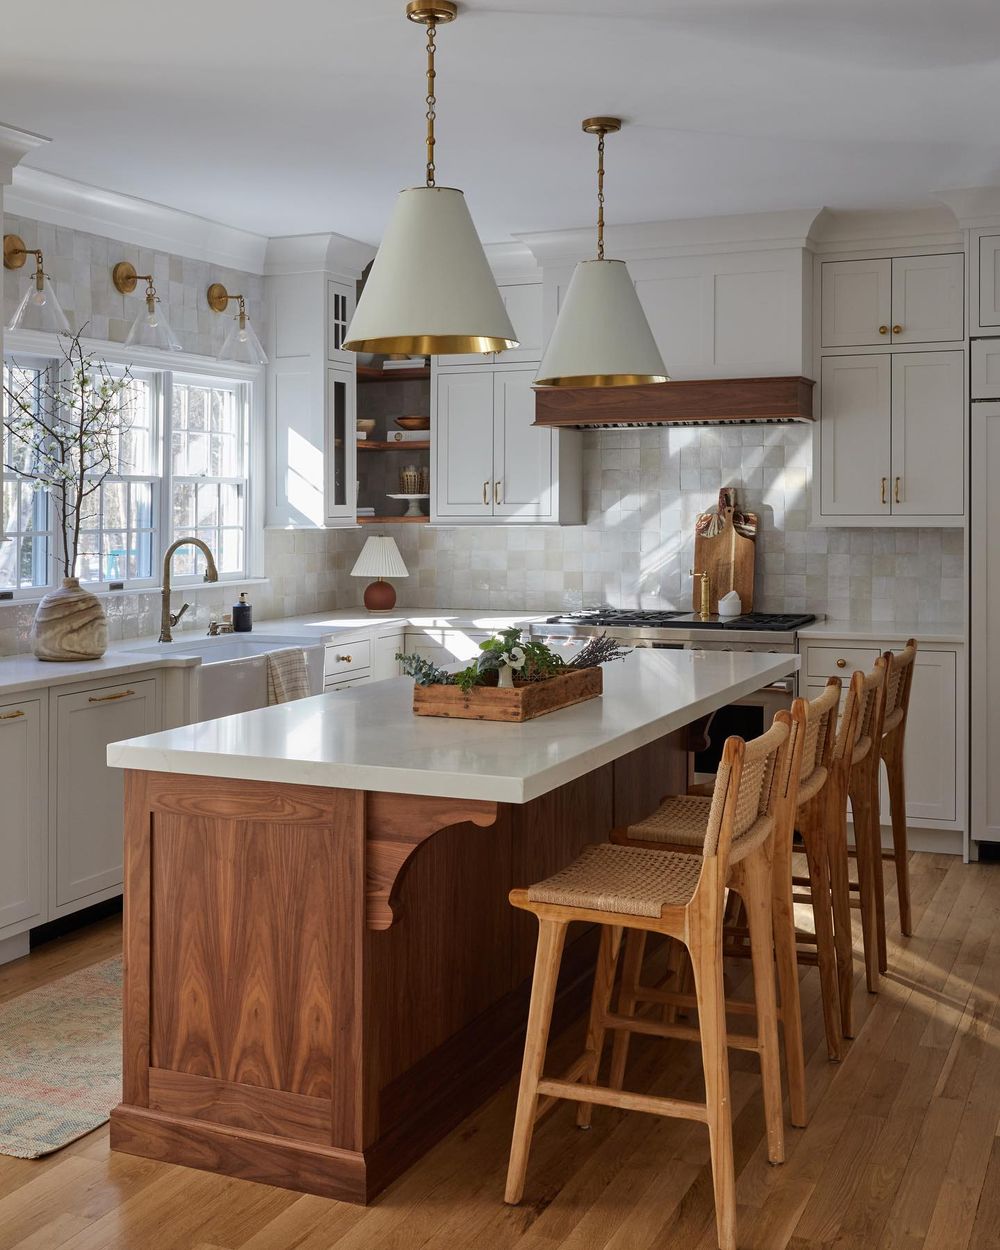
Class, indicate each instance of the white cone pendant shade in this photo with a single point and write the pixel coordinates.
(431, 291)
(601, 337)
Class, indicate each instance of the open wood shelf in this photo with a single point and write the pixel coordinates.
(393, 520)
(417, 374)
(369, 444)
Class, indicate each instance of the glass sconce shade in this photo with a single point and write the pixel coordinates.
(40, 310)
(242, 343)
(152, 329)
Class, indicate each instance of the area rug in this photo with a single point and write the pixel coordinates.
(60, 1060)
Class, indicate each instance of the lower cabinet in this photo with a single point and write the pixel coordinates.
(23, 806)
(445, 646)
(86, 816)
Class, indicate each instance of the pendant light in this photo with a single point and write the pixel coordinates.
(601, 336)
(39, 309)
(431, 290)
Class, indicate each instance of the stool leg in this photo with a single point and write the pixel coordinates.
(548, 956)
(897, 812)
(783, 917)
(818, 859)
(600, 1001)
(635, 947)
(863, 837)
(706, 963)
(878, 874)
(753, 876)
(843, 924)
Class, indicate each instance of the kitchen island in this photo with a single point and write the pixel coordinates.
(322, 972)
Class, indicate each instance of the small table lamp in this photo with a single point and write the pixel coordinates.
(380, 559)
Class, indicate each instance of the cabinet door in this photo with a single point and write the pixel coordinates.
(523, 453)
(984, 624)
(384, 662)
(89, 796)
(24, 804)
(340, 452)
(985, 369)
(989, 280)
(928, 298)
(930, 762)
(523, 302)
(340, 300)
(856, 302)
(463, 444)
(855, 435)
(928, 434)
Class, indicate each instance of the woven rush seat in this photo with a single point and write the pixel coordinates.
(623, 879)
(682, 821)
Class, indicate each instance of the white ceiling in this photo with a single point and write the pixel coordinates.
(307, 115)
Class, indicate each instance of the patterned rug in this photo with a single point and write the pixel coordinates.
(60, 1060)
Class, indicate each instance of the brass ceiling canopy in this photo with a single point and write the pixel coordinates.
(427, 11)
(602, 125)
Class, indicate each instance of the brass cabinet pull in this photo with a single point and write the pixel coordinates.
(106, 698)
(11, 715)
(897, 329)
(343, 659)
(895, 490)
(842, 663)
(496, 492)
(885, 483)
(883, 329)
(486, 492)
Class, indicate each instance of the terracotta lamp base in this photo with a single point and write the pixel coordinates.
(380, 596)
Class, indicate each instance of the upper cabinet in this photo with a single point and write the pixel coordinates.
(491, 463)
(989, 283)
(893, 302)
(523, 301)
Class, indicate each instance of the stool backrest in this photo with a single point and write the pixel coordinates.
(819, 733)
(898, 683)
(747, 787)
(861, 722)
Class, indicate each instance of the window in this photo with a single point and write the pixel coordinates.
(208, 454)
(24, 553)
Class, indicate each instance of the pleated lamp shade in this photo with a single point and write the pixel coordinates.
(431, 291)
(380, 559)
(601, 336)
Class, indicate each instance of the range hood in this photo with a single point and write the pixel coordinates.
(733, 401)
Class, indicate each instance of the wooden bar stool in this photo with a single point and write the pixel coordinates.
(898, 683)
(680, 896)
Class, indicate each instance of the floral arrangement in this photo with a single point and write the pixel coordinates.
(66, 434)
(509, 654)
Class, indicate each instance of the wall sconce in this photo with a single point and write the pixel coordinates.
(39, 310)
(241, 342)
(151, 327)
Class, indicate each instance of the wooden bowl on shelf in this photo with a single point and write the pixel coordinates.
(414, 423)
(367, 424)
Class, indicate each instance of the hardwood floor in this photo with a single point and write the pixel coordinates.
(902, 1149)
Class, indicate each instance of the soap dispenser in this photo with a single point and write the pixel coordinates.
(242, 615)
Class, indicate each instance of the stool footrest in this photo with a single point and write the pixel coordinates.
(676, 1108)
(681, 1032)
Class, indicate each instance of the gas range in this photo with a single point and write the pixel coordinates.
(765, 631)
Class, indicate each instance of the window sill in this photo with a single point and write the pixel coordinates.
(188, 588)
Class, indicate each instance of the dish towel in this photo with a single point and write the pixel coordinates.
(287, 676)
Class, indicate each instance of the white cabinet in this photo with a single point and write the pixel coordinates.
(445, 646)
(491, 461)
(384, 662)
(523, 301)
(339, 458)
(86, 825)
(984, 623)
(23, 813)
(892, 438)
(893, 301)
(989, 281)
(985, 369)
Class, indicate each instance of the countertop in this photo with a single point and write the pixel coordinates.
(23, 672)
(882, 632)
(369, 739)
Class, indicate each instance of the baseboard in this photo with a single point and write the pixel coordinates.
(15, 947)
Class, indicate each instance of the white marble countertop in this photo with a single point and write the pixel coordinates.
(882, 631)
(369, 739)
(23, 672)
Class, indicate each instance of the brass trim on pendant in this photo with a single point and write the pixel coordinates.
(430, 345)
(427, 11)
(604, 379)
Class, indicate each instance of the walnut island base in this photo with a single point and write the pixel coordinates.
(322, 980)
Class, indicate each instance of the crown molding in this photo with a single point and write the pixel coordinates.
(512, 262)
(974, 207)
(866, 230)
(60, 201)
(313, 253)
(790, 228)
(14, 146)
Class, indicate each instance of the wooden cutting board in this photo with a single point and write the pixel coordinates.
(727, 556)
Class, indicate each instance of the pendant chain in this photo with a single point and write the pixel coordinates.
(431, 101)
(600, 196)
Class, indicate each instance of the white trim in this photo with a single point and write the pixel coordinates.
(15, 144)
(335, 254)
(62, 202)
(40, 343)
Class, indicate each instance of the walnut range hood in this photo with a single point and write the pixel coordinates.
(740, 401)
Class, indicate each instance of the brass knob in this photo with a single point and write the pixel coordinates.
(842, 663)
(343, 659)
(883, 329)
(897, 329)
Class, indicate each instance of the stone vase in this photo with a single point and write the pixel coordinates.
(70, 624)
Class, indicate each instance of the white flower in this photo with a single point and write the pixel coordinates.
(514, 657)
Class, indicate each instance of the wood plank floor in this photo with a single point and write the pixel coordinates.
(901, 1151)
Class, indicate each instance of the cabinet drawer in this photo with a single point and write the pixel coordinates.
(334, 687)
(839, 661)
(345, 657)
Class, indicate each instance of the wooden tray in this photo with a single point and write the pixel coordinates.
(520, 704)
